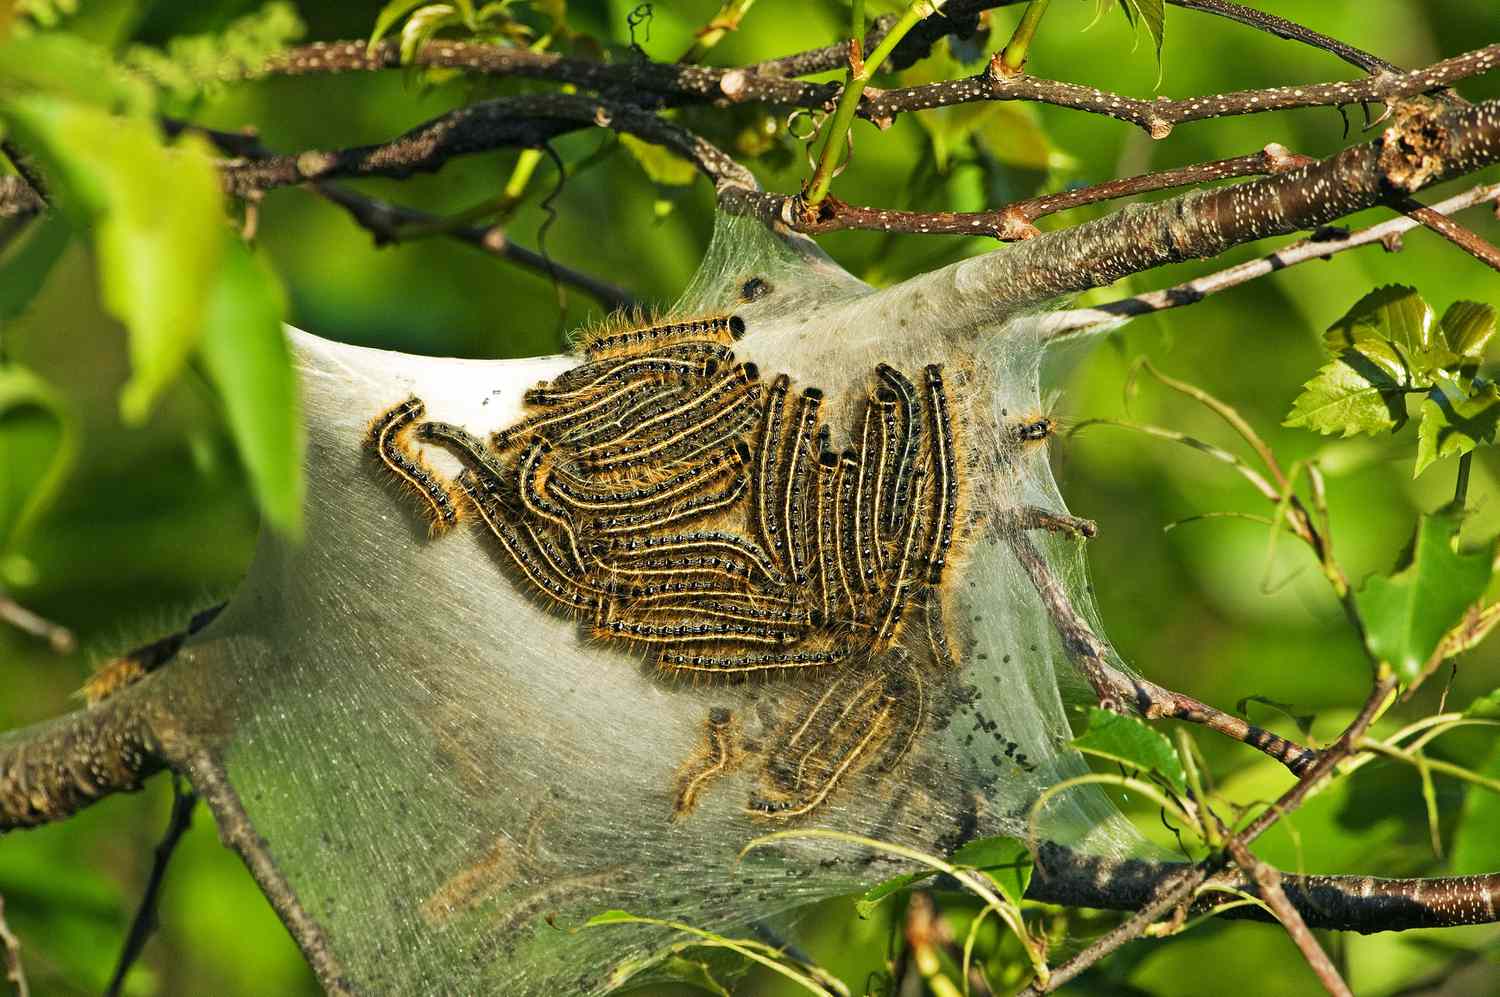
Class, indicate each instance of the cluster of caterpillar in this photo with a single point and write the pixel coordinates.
(662, 493)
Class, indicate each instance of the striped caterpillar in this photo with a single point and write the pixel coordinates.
(669, 500)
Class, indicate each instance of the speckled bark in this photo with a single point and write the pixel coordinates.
(1340, 903)
(1424, 143)
(55, 769)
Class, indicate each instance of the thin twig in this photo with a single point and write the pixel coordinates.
(1463, 238)
(1387, 233)
(1119, 691)
(1290, 30)
(1013, 222)
(528, 121)
(58, 637)
(15, 972)
(1179, 885)
(673, 83)
(144, 924)
(1269, 881)
(386, 221)
(1157, 117)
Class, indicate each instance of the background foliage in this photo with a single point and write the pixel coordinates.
(158, 515)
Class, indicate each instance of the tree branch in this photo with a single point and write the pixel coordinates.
(1425, 143)
(1463, 238)
(15, 971)
(1387, 234)
(54, 769)
(1335, 903)
(145, 921)
(1269, 883)
(528, 121)
(385, 221)
(1117, 690)
(1013, 222)
(1158, 116)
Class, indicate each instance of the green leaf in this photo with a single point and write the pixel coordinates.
(1360, 392)
(871, 898)
(1151, 13)
(28, 488)
(1006, 861)
(1476, 843)
(1485, 708)
(615, 916)
(663, 167)
(1395, 313)
(387, 18)
(64, 65)
(1408, 612)
(25, 268)
(1468, 326)
(159, 227)
(423, 24)
(1129, 741)
(1454, 423)
(245, 354)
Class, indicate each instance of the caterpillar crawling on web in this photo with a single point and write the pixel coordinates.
(674, 502)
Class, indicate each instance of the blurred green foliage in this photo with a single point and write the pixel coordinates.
(159, 514)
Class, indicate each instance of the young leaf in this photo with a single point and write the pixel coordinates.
(1485, 708)
(1360, 392)
(159, 226)
(663, 167)
(1151, 13)
(1476, 845)
(27, 491)
(1395, 313)
(1454, 423)
(1409, 611)
(871, 898)
(694, 973)
(1467, 326)
(67, 66)
(244, 353)
(25, 269)
(387, 18)
(1129, 741)
(1006, 861)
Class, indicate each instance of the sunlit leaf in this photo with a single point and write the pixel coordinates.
(1129, 741)
(28, 488)
(67, 66)
(192, 65)
(1360, 392)
(1455, 422)
(1395, 312)
(663, 167)
(1476, 843)
(387, 18)
(158, 226)
(1408, 612)
(245, 354)
(1006, 861)
(1467, 326)
(1485, 708)
(1151, 13)
(423, 24)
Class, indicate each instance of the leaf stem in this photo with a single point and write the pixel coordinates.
(1461, 487)
(860, 72)
(1013, 56)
